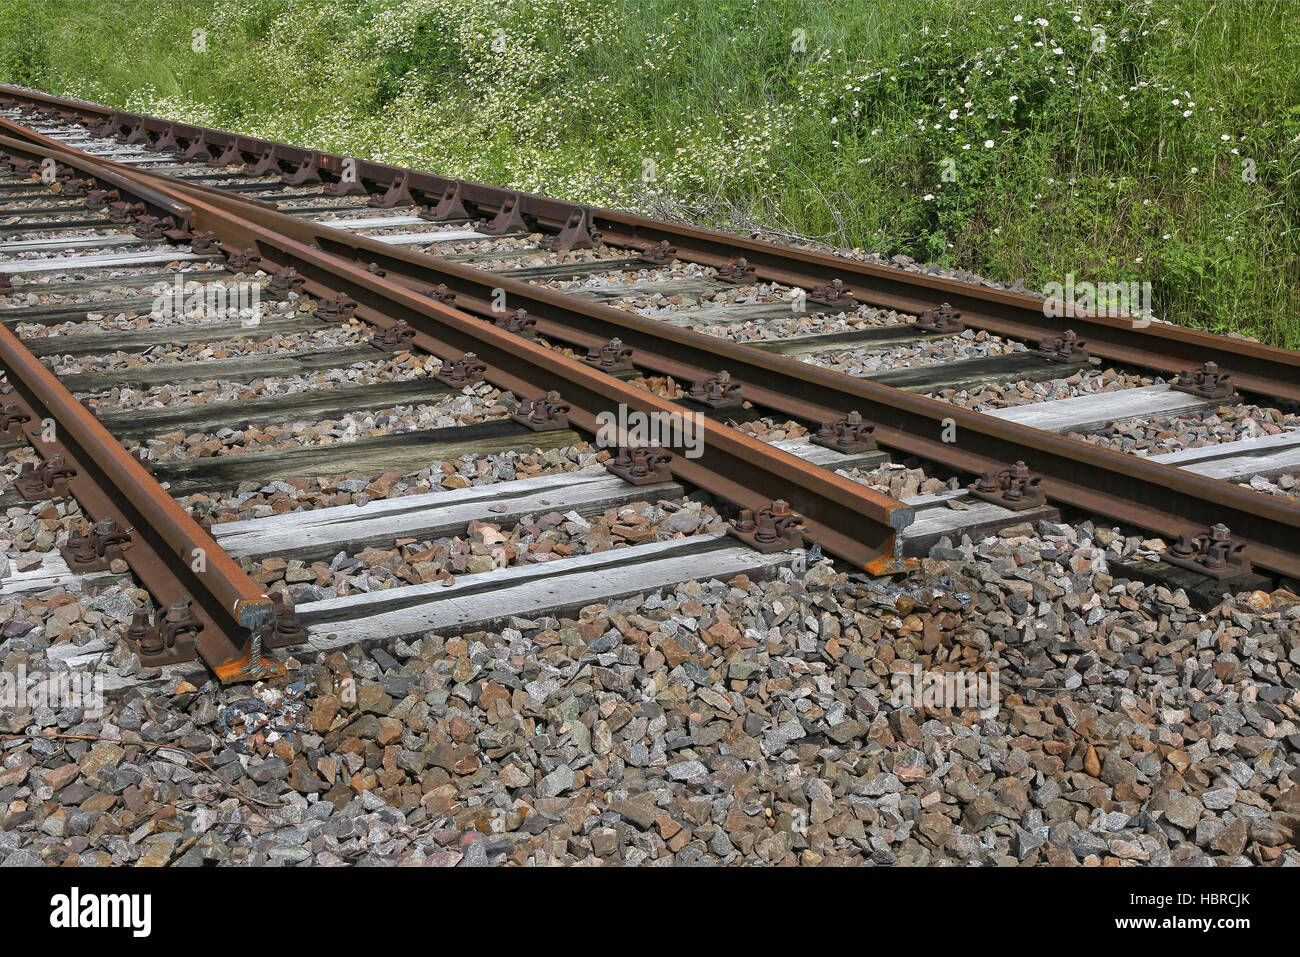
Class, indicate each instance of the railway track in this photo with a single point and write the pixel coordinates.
(521, 326)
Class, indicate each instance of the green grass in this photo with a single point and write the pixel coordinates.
(1093, 170)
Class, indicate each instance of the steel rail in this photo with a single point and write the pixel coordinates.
(1169, 349)
(170, 553)
(846, 518)
(1126, 488)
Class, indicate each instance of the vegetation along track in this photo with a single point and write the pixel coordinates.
(586, 316)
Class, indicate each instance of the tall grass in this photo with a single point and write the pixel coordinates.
(1152, 141)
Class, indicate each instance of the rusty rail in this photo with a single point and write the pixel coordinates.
(1256, 368)
(846, 518)
(1126, 488)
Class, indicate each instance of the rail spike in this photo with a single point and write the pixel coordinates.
(282, 284)
(518, 323)
(1214, 552)
(1067, 347)
(101, 198)
(120, 212)
(544, 414)
(659, 254)
(170, 638)
(12, 419)
(850, 435)
(577, 233)
(1207, 382)
(441, 294)
(773, 528)
(467, 370)
(394, 338)
(641, 465)
(833, 293)
(943, 319)
(45, 482)
(336, 310)
(717, 392)
(95, 549)
(738, 271)
(612, 357)
(1014, 487)
(242, 261)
